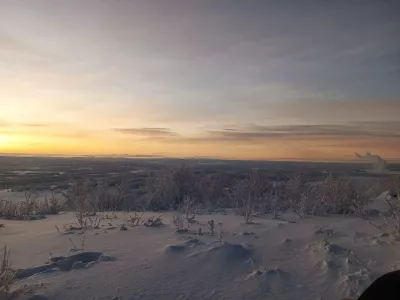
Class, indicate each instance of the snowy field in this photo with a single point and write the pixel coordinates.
(286, 258)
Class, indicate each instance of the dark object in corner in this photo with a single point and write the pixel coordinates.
(386, 287)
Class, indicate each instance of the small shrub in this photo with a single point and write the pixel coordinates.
(83, 222)
(325, 236)
(189, 208)
(80, 198)
(59, 231)
(51, 205)
(247, 194)
(338, 195)
(30, 208)
(236, 195)
(87, 222)
(75, 248)
(82, 218)
(181, 224)
(259, 269)
(7, 274)
(211, 227)
(271, 202)
(28, 205)
(135, 220)
(153, 222)
(296, 194)
(18, 211)
(118, 295)
(113, 216)
(248, 212)
(221, 232)
(392, 185)
(210, 190)
(8, 209)
(166, 189)
(392, 219)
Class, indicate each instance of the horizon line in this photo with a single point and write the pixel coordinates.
(150, 156)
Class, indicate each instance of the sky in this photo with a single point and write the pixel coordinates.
(255, 79)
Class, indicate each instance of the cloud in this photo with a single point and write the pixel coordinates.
(148, 132)
(15, 124)
(33, 125)
(352, 135)
(261, 133)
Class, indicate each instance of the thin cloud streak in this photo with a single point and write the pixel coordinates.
(147, 132)
(8, 124)
(262, 133)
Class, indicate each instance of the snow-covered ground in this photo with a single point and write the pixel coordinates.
(288, 258)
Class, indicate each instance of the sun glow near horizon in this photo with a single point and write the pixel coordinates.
(110, 144)
(5, 140)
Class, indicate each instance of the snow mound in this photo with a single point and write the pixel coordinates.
(61, 263)
(225, 253)
(230, 252)
(387, 195)
(359, 237)
(377, 242)
(287, 242)
(246, 233)
(175, 248)
(273, 281)
(353, 284)
(182, 247)
(333, 265)
(335, 249)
